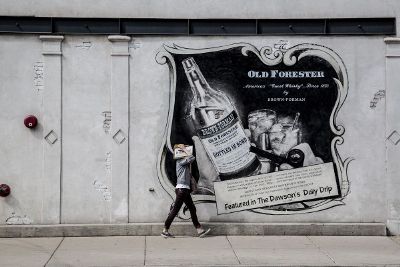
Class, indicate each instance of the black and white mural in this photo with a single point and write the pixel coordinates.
(263, 124)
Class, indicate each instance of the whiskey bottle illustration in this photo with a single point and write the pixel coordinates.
(218, 126)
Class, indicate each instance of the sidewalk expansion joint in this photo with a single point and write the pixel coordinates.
(54, 252)
(234, 252)
(145, 250)
(320, 249)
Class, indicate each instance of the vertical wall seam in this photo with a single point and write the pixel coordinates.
(385, 131)
(61, 133)
(129, 130)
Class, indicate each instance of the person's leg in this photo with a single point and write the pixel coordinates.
(192, 208)
(174, 211)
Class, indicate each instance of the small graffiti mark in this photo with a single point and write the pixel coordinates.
(106, 121)
(102, 188)
(38, 76)
(84, 45)
(282, 45)
(394, 137)
(108, 162)
(377, 97)
(16, 219)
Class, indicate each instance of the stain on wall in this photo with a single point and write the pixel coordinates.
(17, 219)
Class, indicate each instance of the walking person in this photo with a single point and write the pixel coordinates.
(184, 185)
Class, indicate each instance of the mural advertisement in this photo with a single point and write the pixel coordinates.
(262, 123)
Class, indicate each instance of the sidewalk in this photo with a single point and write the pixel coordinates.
(210, 251)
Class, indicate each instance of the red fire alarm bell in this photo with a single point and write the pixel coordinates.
(5, 190)
(30, 121)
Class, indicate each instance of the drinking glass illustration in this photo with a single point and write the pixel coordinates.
(283, 137)
(260, 122)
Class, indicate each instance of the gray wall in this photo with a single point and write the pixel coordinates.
(203, 9)
(89, 175)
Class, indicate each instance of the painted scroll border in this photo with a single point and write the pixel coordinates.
(269, 57)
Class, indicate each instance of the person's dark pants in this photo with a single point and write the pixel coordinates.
(182, 196)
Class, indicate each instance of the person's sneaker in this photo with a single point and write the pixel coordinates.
(166, 235)
(204, 233)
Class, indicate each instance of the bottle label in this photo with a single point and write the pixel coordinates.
(227, 144)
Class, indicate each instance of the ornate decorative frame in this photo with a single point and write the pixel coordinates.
(269, 57)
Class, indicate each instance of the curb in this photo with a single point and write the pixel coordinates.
(154, 229)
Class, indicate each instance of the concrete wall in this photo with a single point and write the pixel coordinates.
(99, 166)
(203, 9)
(365, 64)
(236, 9)
(29, 167)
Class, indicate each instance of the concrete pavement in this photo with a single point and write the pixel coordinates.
(210, 251)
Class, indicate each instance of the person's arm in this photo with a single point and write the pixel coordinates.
(187, 160)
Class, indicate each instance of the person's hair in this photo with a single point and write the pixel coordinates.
(176, 145)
